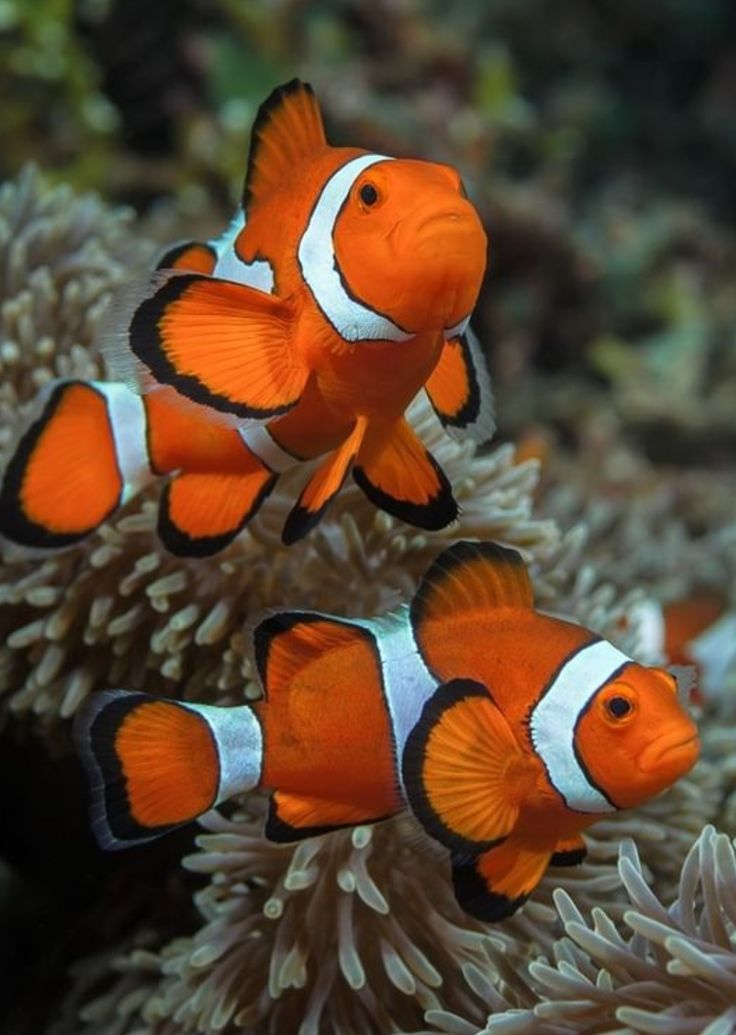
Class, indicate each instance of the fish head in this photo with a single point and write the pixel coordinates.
(636, 738)
(410, 245)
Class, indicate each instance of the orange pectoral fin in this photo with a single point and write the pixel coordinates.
(223, 345)
(153, 765)
(200, 513)
(322, 487)
(190, 256)
(63, 479)
(459, 389)
(292, 817)
(403, 478)
(463, 768)
(569, 852)
(495, 884)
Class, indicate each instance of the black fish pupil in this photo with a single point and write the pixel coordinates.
(618, 707)
(368, 194)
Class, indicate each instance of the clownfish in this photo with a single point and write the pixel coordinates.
(696, 633)
(505, 731)
(342, 288)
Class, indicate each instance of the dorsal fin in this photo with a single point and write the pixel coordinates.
(288, 128)
(286, 642)
(471, 577)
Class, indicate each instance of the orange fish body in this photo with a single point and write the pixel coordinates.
(341, 290)
(506, 732)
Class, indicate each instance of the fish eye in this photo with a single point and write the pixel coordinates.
(369, 194)
(619, 707)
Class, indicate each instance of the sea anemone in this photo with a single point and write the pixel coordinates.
(356, 931)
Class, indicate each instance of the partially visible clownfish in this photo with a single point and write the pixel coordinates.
(697, 632)
(505, 731)
(343, 287)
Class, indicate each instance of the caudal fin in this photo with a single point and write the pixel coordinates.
(155, 764)
(401, 477)
(82, 456)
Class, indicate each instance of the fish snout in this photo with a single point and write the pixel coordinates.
(448, 248)
(671, 755)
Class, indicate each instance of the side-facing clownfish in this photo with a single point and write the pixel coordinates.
(697, 632)
(343, 287)
(505, 731)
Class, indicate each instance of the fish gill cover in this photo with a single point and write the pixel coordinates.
(358, 932)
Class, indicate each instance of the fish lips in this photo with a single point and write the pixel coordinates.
(671, 756)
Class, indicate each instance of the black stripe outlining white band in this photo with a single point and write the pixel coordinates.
(352, 320)
(407, 682)
(553, 722)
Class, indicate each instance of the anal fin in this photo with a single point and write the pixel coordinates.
(569, 852)
(399, 475)
(293, 817)
(323, 486)
(494, 885)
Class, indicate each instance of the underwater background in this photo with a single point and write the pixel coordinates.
(598, 141)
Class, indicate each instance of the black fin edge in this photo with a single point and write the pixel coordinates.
(271, 104)
(445, 696)
(438, 513)
(113, 826)
(573, 857)
(181, 544)
(470, 409)
(144, 340)
(281, 833)
(476, 898)
(461, 552)
(171, 254)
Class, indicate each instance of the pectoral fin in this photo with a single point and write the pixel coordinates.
(462, 768)
(459, 389)
(401, 477)
(223, 345)
(494, 885)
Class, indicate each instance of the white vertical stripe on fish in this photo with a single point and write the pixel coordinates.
(239, 741)
(127, 416)
(554, 719)
(352, 320)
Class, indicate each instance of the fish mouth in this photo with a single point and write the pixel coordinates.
(678, 756)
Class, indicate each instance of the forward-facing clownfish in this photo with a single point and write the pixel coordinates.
(342, 288)
(505, 731)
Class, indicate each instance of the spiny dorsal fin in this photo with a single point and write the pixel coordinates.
(471, 577)
(288, 128)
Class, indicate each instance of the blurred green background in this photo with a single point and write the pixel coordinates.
(598, 138)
